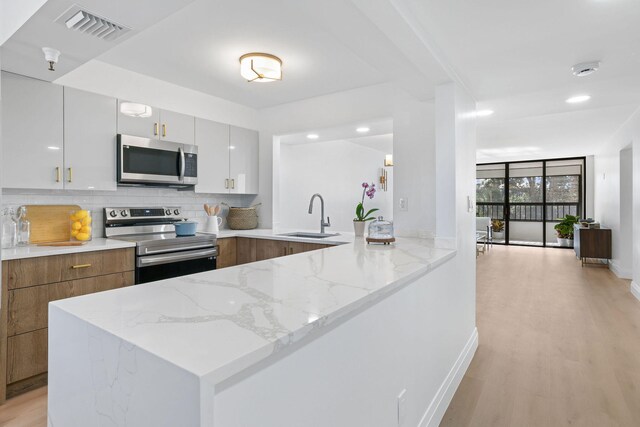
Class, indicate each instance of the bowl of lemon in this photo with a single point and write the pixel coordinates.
(80, 223)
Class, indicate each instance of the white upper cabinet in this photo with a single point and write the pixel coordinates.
(212, 139)
(89, 141)
(32, 133)
(243, 161)
(146, 127)
(161, 124)
(176, 127)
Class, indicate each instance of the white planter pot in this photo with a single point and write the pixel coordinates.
(565, 243)
(358, 228)
(498, 235)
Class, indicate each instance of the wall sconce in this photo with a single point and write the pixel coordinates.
(384, 179)
(388, 160)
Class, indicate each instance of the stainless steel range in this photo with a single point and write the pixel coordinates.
(160, 253)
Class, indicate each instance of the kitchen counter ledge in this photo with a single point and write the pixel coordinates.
(217, 324)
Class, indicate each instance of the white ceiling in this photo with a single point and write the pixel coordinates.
(22, 53)
(515, 57)
(379, 136)
(326, 47)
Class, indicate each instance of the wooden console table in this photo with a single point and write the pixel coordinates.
(591, 242)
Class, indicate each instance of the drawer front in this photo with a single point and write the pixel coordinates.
(43, 270)
(227, 255)
(26, 355)
(75, 288)
(28, 307)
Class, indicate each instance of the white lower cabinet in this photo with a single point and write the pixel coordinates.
(32, 133)
(89, 141)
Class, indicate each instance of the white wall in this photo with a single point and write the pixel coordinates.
(336, 170)
(607, 198)
(414, 146)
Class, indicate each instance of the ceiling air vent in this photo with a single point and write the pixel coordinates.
(82, 21)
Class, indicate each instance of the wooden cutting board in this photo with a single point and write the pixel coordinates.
(50, 223)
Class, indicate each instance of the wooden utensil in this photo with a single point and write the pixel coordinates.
(50, 223)
(216, 210)
(206, 209)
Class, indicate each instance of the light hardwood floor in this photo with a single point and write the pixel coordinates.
(559, 345)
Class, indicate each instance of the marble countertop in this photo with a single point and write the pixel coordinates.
(32, 251)
(218, 323)
(265, 233)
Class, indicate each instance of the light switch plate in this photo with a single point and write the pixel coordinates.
(404, 204)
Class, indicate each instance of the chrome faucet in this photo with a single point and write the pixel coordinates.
(322, 223)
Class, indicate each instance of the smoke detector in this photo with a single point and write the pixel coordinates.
(51, 55)
(585, 68)
(77, 19)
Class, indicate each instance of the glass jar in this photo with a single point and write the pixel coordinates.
(24, 227)
(80, 223)
(381, 229)
(9, 229)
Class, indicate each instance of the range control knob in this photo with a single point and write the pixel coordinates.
(168, 212)
(113, 214)
(123, 213)
(176, 211)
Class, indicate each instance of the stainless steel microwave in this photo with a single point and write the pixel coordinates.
(144, 161)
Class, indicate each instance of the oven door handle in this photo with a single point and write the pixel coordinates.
(182, 163)
(176, 257)
(173, 249)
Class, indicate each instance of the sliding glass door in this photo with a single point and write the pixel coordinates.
(525, 199)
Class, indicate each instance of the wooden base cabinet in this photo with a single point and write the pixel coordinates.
(28, 286)
(227, 250)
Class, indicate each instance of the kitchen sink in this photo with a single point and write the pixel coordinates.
(309, 235)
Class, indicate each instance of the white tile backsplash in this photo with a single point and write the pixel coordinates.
(190, 202)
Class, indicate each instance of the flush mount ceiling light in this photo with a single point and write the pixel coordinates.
(260, 67)
(133, 109)
(313, 136)
(363, 129)
(578, 99)
(484, 113)
(585, 68)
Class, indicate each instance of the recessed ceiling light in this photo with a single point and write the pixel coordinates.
(53, 148)
(313, 136)
(484, 113)
(363, 129)
(577, 99)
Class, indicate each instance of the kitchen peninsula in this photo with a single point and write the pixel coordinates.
(271, 343)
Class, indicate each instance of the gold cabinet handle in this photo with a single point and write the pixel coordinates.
(290, 251)
(155, 129)
(164, 129)
(284, 251)
(75, 267)
(58, 174)
(233, 183)
(70, 174)
(226, 183)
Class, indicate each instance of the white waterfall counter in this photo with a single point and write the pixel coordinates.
(154, 354)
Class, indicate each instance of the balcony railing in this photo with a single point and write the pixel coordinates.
(532, 212)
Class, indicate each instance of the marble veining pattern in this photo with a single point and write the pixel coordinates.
(216, 324)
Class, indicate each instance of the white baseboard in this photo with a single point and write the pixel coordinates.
(442, 399)
(635, 290)
(620, 272)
